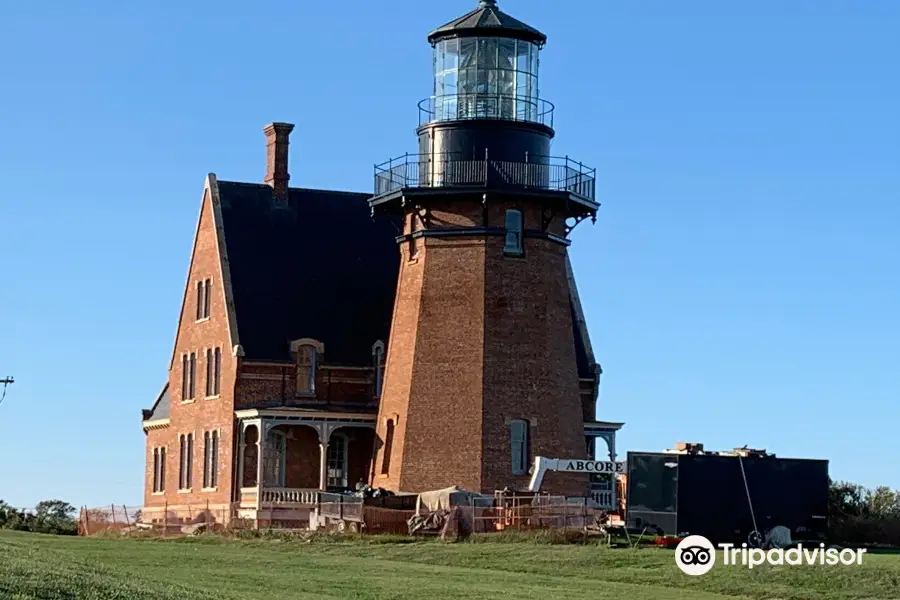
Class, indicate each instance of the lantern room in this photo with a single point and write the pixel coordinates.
(486, 66)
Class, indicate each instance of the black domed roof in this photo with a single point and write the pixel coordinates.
(489, 20)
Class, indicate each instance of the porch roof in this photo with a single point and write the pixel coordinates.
(602, 426)
(304, 414)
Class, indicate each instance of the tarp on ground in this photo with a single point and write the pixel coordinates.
(447, 498)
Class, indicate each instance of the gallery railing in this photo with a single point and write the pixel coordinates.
(447, 170)
(505, 107)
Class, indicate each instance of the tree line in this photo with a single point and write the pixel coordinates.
(48, 516)
(857, 515)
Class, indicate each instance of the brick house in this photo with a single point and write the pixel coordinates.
(411, 351)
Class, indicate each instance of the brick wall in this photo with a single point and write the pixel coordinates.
(530, 364)
(200, 414)
(479, 338)
(268, 384)
(398, 370)
(302, 465)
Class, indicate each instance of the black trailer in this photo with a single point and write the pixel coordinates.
(726, 498)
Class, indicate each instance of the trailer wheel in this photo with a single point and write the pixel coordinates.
(342, 526)
(353, 527)
(755, 539)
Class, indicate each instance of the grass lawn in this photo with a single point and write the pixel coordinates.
(46, 567)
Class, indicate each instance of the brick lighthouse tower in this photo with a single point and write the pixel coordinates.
(481, 371)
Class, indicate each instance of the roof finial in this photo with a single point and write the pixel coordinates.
(487, 4)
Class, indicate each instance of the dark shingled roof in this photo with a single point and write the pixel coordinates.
(318, 267)
(160, 408)
(487, 19)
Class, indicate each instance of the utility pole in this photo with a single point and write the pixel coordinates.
(6, 383)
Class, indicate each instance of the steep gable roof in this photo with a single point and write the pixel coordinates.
(317, 267)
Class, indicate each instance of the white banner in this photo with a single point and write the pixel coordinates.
(592, 466)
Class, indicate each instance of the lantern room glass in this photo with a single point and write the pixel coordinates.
(486, 78)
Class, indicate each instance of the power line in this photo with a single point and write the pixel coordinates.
(6, 383)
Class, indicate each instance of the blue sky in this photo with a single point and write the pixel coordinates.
(741, 284)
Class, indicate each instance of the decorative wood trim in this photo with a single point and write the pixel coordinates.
(609, 425)
(289, 363)
(260, 377)
(222, 252)
(479, 231)
(156, 424)
(319, 346)
(256, 413)
(276, 377)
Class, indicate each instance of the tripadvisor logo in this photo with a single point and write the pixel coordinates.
(696, 555)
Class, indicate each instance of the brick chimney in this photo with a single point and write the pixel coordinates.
(277, 142)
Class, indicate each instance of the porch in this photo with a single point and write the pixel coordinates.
(604, 488)
(286, 457)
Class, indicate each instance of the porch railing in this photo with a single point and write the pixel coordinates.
(603, 498)
(284, 497)
(437, 170)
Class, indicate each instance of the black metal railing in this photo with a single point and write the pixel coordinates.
(461, 107)
(448, 170)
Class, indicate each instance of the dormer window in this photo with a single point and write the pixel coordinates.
(378, 362)
(513, 233)
(306, 370)
(308, 353)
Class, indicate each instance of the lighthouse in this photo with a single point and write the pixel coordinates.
(482, 369)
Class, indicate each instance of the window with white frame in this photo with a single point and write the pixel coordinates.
(217, 371)
(337, 460)
(203, 298)
(209, 372)
(378, 362)
(186, 463)
(274, 460)
(518, 439)
(188, 376)
(210, 459)
(307, 359)
(159, 470)
(213, 371)
(513, 232)
(192, 381)
(185, 374)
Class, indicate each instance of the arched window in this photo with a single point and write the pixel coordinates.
(308, 353)
(518, 442)
(513, 232)
(378, 362)
(306, 370)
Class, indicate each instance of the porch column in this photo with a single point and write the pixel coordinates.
(260, 451)
(240, 459)
(323, 465)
